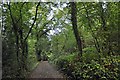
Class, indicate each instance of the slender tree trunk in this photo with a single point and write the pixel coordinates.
(97, 46)
(74, 24)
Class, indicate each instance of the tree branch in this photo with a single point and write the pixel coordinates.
(33, 22)
(45, 24)
(11, 16)
(44, 32)
(20, 12)
(93, 35)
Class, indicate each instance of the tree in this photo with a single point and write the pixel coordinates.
(74, 24)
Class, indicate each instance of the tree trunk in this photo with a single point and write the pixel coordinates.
(74, 24)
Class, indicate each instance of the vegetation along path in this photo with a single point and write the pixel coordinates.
(45, 70)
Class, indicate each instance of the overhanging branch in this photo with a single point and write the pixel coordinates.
(33, 21)
(44, 32)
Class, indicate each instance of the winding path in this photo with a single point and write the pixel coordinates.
(46, 70)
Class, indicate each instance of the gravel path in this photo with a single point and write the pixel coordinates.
(46, 70)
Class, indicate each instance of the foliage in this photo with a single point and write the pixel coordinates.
(89, 69)
(32, 32)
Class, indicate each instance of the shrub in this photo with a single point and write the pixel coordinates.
(108, 69)
(90, 67)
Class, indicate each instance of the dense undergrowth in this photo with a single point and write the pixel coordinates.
(89, 67)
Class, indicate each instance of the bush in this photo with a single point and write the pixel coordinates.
(65, 64)
(94, 69)
(88, 57)
(89, 50)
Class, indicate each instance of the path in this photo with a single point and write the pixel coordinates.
(46, 70)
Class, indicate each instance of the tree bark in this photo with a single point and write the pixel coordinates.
(74, 24)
